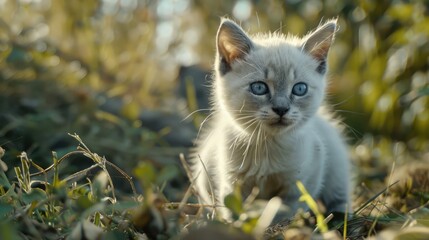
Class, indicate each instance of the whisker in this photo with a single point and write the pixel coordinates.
(257, 142)
(254, 66)
(264, 140)
(203, 122)
(196, 111)
(346, 111)
(234, 146)
(249, 123)
(245, 111)
(244, 117)
(242, 106)
(343, 101)
(248, 146)
(355, 132)
(245, 76)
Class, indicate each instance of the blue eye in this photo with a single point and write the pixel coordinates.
(259, 88)
(299, 89)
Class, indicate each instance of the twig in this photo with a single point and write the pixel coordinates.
(373, 198)
(326, 221)
(44, 171)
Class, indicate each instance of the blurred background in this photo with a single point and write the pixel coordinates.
(125, 74)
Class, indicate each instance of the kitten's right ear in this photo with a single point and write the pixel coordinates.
(232, 44)
(317, 43)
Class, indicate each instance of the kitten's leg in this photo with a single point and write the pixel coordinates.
(201, 186)
(291, 202)
(336, 193)
(211, 192)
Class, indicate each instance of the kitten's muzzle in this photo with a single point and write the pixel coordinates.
(279, 123)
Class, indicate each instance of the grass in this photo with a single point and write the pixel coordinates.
(40, 203)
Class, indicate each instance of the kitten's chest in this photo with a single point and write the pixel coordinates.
(271, 166)
(263, 158)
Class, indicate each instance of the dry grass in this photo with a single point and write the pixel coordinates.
(40, 203)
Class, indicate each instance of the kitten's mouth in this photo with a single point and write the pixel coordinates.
(280, 122)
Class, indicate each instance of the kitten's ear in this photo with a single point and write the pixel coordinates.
(317, 43)
(232, 43)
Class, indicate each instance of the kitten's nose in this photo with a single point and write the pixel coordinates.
(280, 110)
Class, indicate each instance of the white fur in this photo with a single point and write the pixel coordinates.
(239, 144)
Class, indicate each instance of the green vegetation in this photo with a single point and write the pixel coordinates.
(107, 71)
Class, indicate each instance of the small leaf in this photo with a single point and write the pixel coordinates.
(35, 195)
(86, 230)
(146, 173)
(234, 203)
(3, 166)
(97, 217)
(5, 209)
(8, 231)
(99, 207)
(424, 91)
(100, 184)
(167, 173)
(402, 12)
(1, 152)
(306, 197)
(18, 55)
(131, 110)
(10, 195)
(84, 202)
(4, 182)
(249, 225)
(103, 115)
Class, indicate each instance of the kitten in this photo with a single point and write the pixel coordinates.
(267, 129)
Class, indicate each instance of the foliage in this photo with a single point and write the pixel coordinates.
(75, 206)
(306, 197)
(53, 207)
(95, 67)
(47, 205)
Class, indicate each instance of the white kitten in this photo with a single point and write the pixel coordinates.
(267, 129)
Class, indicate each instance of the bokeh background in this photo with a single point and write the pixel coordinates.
(125, 74)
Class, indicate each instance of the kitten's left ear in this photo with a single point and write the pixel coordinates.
(317, 43)
(232, 43)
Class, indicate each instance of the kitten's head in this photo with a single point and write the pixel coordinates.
(270, 81)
